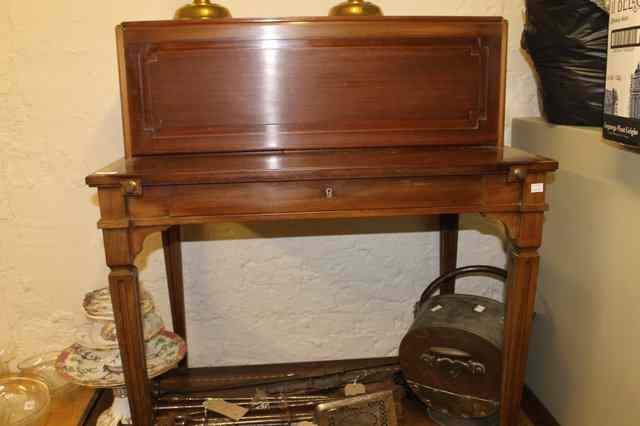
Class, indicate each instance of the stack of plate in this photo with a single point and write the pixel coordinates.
(94, 360)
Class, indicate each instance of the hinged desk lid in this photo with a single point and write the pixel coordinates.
(320, 165)
(310, 83)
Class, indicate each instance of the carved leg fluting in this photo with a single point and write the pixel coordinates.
(449, 224)
(125, 297)
(122, 243)
(521, 294)
(173, 262)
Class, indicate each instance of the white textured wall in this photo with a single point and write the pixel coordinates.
(307, 291)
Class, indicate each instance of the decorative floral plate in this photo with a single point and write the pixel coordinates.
(100, 334)
(97, 304)
(103, 368)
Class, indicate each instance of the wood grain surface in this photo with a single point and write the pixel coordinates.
(300, 83)
(310, 164)
(68, 409)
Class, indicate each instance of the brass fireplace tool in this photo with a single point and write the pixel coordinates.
(319, 399)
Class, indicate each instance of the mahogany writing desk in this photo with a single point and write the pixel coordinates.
(270, 119)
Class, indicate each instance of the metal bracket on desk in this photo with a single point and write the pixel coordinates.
(131, 187)
(517, 174)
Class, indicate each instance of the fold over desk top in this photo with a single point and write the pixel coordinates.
(260, 119)
(323, 164)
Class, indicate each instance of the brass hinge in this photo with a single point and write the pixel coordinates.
(517, 174)
(131, 187)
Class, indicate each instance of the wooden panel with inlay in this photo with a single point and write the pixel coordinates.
(346, 84)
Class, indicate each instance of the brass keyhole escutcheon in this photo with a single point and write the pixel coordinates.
(328, 192)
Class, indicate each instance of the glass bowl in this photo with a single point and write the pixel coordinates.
(4, 411)
(43, 367)
(7, 353)
(27, 400)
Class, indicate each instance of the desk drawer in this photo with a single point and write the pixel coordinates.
(312, 196)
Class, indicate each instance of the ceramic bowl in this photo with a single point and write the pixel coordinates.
(97, 304)
(103, 368)
(27, 400)
(99, 334)
(43, 367)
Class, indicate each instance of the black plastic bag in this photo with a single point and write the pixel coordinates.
(567, 41)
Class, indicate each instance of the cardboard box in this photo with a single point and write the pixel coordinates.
(622, 94)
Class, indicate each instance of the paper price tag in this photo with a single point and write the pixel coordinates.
(227, 409)
(436, 308)
(537, 187)
(353, 389)
(479, 308)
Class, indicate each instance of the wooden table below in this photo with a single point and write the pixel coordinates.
(68, 410)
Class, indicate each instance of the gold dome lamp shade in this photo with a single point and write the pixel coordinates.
(356, 8)
(202, 9)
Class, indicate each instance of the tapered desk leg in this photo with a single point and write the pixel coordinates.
(122, 244)
(526, 233)
(125, 297)
(521, 294)
(173, 263)
(449, 224)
